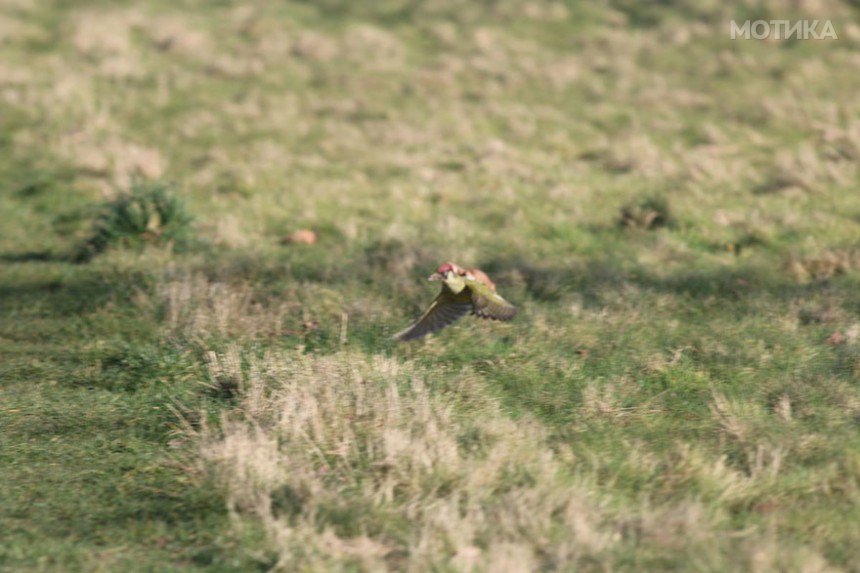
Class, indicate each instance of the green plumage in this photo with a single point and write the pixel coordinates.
(460, 295)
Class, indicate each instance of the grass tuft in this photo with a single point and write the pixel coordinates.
(650, 213)
(350, 462)
(150, 212)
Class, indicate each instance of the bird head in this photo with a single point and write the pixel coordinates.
(451, 275)
(444, 271)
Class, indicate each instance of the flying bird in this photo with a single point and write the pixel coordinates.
(463, 291)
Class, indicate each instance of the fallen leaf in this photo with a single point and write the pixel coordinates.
(836, 339)
(300, 237)
(767, 506)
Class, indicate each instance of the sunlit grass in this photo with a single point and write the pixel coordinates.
(674, 214)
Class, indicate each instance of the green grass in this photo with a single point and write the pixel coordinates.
(97, 471)
(674, 213)
(146, 213)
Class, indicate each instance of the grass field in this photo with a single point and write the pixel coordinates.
(676, 214)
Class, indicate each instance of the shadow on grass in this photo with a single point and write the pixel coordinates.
(545, 282)
(33, 257)
(69, 295)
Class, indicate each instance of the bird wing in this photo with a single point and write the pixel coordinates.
(444, 310)
(488, 304)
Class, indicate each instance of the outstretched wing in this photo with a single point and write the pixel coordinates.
(445, 309)
(487, 304)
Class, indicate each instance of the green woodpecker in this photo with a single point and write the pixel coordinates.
(463, 291)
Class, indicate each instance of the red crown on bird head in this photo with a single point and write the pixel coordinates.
(448, 267)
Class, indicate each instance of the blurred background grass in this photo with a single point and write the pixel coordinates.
(675, 213)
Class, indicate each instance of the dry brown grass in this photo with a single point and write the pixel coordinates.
(361, 448)
(373, 464)
(199, 309)
(826, 264)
